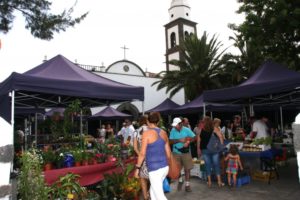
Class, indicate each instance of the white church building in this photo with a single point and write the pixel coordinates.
(128, 72)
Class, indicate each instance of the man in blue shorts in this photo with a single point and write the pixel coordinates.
(180, 138)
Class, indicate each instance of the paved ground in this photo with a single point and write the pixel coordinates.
(286, 188)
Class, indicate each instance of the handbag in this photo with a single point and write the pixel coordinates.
(143, 172)
(214, 144)
(174, 168)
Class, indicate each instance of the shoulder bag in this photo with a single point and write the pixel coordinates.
(214, 144)
(174, 168)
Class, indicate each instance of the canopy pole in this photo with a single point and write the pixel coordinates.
(25, 133)
(13, 112)
(281, 119)
(35, 129)
(81, 127)
(251, 110)
(12, 124)
(211, 115)
(204, 110)
(143, 107)
(81, 135)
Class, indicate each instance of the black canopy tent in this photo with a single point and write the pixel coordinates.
(56, 83)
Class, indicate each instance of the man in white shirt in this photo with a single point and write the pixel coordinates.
(260, 128)
(129, 132)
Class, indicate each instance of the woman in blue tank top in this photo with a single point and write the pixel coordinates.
(156, 150)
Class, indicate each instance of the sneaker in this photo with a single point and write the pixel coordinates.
(179, 185)
(188, 188)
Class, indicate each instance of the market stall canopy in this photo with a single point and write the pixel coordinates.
(29, 111)
(59, 111)
(198, 104)
(110, 113)
(270, 84)
(57, 82)
(167, 106)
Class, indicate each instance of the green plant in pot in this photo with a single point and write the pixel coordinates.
(49, 158)
(31, 183)
(67, 185)
(78, 156)
(86, 157)
(116, 185)
(59, 162)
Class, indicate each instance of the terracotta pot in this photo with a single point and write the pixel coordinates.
(77, 164)
(93, 162)
(48, 166)
(85, 163)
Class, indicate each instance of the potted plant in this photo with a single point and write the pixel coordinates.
(31, 184)
(49, 158)
(86, 156)
(78, 156)
(119, 185)
(59, 162)
(67, 185)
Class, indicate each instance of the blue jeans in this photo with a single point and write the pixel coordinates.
(212, 160)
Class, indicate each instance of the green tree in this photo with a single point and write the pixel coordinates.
(272, 28)
(240, 67)
(41, 23)
(199, 70)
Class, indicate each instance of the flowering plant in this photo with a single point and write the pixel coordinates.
(131, 188)
(48, 156)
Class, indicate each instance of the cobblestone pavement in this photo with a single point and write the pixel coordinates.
(286, 188)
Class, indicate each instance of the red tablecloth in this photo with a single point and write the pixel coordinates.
(89, 174)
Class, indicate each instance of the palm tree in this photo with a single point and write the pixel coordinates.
(199, 70)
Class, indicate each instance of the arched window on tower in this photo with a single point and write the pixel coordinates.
(173, 40)
(186, 34)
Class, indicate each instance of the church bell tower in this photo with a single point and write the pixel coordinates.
(177, 29)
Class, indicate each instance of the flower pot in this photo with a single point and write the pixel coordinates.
(93, 162)
(77, 164)
(85, 163)
(48, 166)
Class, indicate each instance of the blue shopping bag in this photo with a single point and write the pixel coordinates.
(166, 186)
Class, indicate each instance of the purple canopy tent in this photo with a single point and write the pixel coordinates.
(166, 107)
(270, 84)
(51, 112)
(56, 83)
(198, 105)
(59, 81)
(110, 113)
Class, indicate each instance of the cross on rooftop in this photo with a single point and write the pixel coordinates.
(124, 48)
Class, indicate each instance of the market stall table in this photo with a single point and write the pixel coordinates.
(89, 174)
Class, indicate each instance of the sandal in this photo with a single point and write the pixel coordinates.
(209, 184)
(221, 184)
